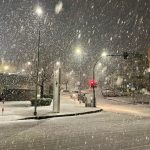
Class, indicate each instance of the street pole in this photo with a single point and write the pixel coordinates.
(94, 97)
(125, 55)
(80, 78)
(39, 12)
(80, 81)
(37, 73)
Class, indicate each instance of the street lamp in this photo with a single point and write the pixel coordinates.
(39, 12)
(58, 63)
(104, 54)
(78, 51)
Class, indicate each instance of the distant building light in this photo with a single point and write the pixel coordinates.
(6, 68)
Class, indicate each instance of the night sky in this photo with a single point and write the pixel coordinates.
(93, 25)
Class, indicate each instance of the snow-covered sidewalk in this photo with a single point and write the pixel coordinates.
(123, 105)
(137, 99)
(22, 109)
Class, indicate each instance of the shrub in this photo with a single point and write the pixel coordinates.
(41, 101)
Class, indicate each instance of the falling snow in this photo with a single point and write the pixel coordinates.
(59, 7)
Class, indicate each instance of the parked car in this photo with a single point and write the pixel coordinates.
(65, 92)
(121, 93)
(108, 93)
(74, 94)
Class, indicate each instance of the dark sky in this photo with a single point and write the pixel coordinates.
(94, 25)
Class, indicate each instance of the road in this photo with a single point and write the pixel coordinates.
(116, 104)
(119, 126)
(100, 131)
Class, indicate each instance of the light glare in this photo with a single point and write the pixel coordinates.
(39, 11)
(104, 54)
(78, 50)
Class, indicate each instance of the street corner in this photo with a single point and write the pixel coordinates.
(60, 115)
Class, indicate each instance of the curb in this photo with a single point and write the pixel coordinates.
(62, 115)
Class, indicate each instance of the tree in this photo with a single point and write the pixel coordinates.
(45, 77)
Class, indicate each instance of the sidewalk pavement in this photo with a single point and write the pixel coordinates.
(20, 110)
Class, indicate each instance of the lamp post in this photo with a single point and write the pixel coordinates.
(39, 12)
(104, 54)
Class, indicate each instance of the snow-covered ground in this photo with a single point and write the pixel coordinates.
(100, 131)
(123, 105)
(21, 109)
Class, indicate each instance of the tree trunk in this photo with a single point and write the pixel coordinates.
(50, 91)
(42, 89)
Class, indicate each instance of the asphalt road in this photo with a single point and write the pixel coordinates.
(101, 131)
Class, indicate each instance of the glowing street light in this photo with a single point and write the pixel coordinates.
(78, 51)
(58, 63)
(39, 11)
(104, 54)
(99, 64)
